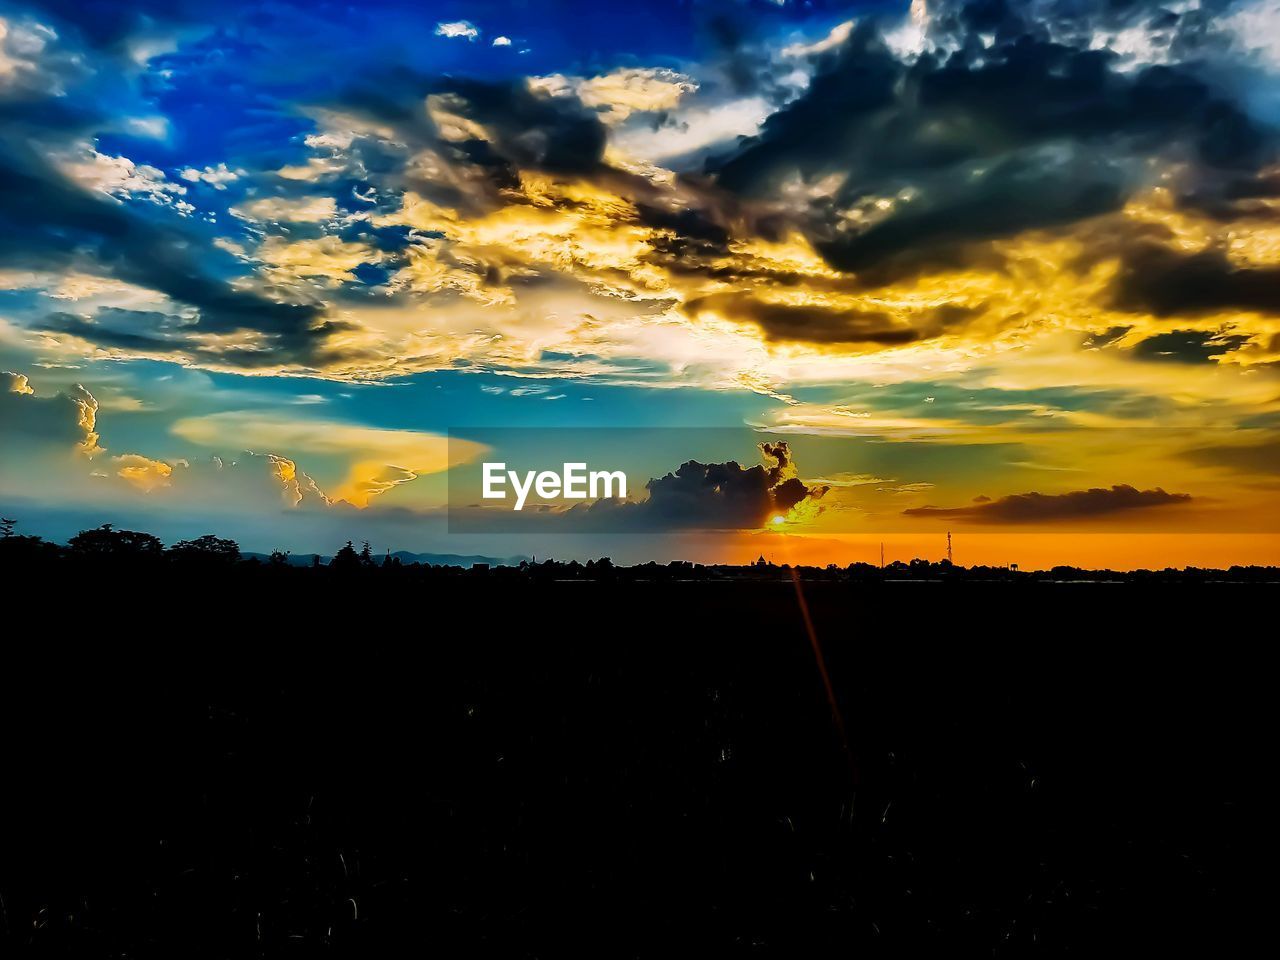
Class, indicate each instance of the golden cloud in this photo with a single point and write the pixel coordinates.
(313, 209)
(377, 459)
(621, 92)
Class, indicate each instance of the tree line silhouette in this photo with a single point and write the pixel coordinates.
(120, 547)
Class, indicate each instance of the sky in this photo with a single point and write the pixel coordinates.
(821, 274)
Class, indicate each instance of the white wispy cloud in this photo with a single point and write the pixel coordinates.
(121, 178)
(457, 29)
(217, 177)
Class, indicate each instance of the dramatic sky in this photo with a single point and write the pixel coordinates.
(995, 267)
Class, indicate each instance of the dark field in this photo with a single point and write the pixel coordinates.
(298, 766)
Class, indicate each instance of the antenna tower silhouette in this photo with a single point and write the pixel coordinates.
(949, 560)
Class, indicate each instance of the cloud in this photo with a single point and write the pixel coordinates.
(458, 29)
(121, 178)
(833, 40)
(1256, 28)
(62, 423)
(32, 62)
(982, 142)
(247, 484)
(1259, 458)
(1040, 507)
(329, 258)
(216, 176)
(962, 204)
(1187, 346)
(50, 445)
(50, 222)
(314, 209)
(19, 49)
(620, 93)
(712, 496)
(1165, 282)
(15, 383)
(819, 322)
(142, 472)
(696, 130)
(375, 459)
(156, 128)
(464, 150)
(66, 206)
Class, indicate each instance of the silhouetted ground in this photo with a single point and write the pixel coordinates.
(204, 762)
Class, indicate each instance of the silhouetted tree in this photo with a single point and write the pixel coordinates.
(27, 550)
(346, 558)
(106, 541)
(279, 558)
(366, 555)
(6, 527)
(206, 549)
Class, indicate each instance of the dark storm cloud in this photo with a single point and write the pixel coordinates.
(160, 334)
(710, 496)
(522, 131)
(1246, 195)
(718, 495)
(557, 135)
(741, 61)
(1266, 185)
(1016, 194)
(148, 332)
(687, 236)
(812, 324)
(110, 339)
(983, 142)
(1164, 282)
(1037, 507)
(1187, 346)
